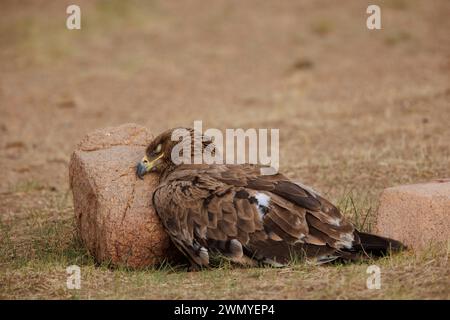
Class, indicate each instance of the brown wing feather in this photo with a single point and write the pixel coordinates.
(324, 224)
(290, 220)
(213, 206)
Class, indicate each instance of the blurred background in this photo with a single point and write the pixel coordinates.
(358, 110)
(337, 91)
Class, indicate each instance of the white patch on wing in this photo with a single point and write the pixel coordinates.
(263, 199)
(263, 203)
(346, 240)
(334, 221)
(300, 239)
(203, 253)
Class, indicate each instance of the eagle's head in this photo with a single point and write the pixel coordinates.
(165, 152)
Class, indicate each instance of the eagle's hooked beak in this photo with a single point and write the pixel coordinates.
(146, 166)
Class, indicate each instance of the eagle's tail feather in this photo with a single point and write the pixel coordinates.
(377, 245)
(277, 253)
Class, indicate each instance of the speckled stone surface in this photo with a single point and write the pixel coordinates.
(417, 215)
(113, 210)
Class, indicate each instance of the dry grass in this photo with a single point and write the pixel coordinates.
(358, 111)
(38, 243)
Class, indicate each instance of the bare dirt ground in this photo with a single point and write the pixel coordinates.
(357, 110)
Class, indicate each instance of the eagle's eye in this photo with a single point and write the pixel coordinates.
(158, 148)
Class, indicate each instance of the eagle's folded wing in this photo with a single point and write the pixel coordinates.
(236, 211)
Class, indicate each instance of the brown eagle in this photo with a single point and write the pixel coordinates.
(247, 217)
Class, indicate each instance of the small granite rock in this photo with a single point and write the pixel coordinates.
(417, 215)
(113, 210)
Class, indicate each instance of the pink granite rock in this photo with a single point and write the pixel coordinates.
(113, 210)
(417, 215)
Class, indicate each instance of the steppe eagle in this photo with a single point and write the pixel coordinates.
(247, 217)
